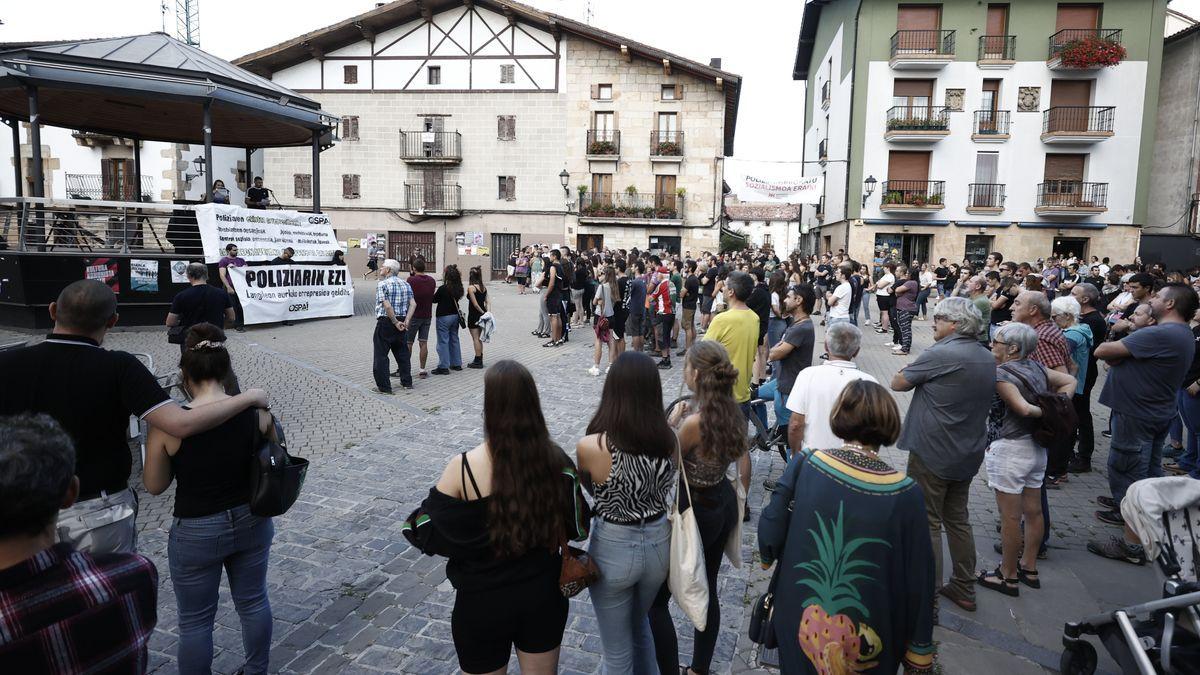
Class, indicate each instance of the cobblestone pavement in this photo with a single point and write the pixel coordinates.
(350, 596)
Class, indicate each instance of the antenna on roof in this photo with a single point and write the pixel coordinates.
(589, 12)
(163, 10)
(187, 21)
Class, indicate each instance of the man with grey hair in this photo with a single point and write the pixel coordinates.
(199, 303)
(945, 434)
(1088, 297)
(64, 609)
(394, 303)
(817, 388)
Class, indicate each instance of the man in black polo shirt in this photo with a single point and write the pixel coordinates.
(200, 303)
(258, 197)
(92, 392)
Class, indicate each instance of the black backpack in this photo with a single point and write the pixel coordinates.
(1057, 424)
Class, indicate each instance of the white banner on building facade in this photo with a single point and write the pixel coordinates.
(779, 182)
(273, 293)
(260, 234)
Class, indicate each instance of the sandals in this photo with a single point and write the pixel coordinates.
(554, 343)
(1028, 577)
(1006, 586)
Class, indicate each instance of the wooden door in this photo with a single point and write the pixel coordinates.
(997, 19)
(1076, 16)
(1063, 179)
(664, 192)
(404, 247)
(587, 242)
(1068, 105)
(434, 189)
(988, 107)
(918, 17)
(602, 188)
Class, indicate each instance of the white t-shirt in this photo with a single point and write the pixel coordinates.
(927, 279)
(841, 310)
(813, 395)
(887, 289)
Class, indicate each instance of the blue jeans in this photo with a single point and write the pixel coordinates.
(197, 549)
(866, 306)
(448, 350)
(770, 390)
(923, 301)
(1135, 451)
(633, 562)
(1189, 409)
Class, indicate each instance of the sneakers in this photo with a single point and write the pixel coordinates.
(1111, 518)
(1079, 466)
(1117, 549)
(891, 344)
(593, 371)
(664, 364)
(385, 392)
(440, 371)
(455, 367)
(1108, 503)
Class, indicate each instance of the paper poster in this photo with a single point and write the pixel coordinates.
(179, 271)
(471, 243)
(105, 270)
(143, 275)
(352, 243)
(272, 293)
(261, 234)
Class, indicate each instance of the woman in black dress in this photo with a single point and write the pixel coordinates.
(477, 306)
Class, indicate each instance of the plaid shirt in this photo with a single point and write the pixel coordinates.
(1051, 349)
(64, 611)
(397, 292)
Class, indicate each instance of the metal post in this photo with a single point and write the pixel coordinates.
(137, 168)
(208, 161)
(316, 171)
(35, 140)
(16, 143)
(249, 173)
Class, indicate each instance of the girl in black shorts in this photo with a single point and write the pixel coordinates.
(499, 513)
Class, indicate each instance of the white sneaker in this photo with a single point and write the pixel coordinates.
(888, 344)
(898, 348)
(593, 371)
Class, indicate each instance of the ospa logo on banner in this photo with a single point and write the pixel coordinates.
(261, 234)
(273, 293)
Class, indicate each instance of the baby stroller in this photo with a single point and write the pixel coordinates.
(1161, 636)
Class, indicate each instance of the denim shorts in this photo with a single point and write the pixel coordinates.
(418, 329)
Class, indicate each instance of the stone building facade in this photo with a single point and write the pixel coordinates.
(461, 122)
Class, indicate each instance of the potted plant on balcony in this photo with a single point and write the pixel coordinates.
(1091, 51)
(602, 148)
(935, 200)
(667, 149)
(582, 189)
(681, 192)
(631, 190)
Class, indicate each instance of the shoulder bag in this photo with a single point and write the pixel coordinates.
(275, 476)
(578, 569)
(1058, 420)
(686, 575)
(762, 615)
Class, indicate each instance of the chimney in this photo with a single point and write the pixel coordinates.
(715, 63)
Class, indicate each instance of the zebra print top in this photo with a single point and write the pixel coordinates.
(637, 487)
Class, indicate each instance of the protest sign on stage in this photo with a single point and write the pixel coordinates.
(261, 234)
(272, 293)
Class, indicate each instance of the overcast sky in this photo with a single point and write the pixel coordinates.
(757, 41)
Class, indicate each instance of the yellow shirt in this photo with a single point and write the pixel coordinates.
(737, 331)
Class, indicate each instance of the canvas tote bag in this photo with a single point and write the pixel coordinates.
(687, 578)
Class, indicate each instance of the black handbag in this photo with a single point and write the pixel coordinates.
(275, 476)
(762, 616)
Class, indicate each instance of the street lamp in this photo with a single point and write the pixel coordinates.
(868, 188)
(565, 178)
(199, 164)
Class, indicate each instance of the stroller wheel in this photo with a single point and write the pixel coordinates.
(1078, 659)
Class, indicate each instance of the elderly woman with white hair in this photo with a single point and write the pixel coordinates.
(1015, 464)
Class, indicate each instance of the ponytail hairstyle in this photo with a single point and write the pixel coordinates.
(452, 280)
(475, 276)
(722, 425)
(528, 506)
(204, 356)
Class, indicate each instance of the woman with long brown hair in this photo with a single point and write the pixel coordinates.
(626, 458)
(712, 435)
(477, 306)
(608, 296)
(499, 513)
(445, 300)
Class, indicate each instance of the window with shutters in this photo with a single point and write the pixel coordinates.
(507, 188)
(350, 74)
(507, 74)
(602, 92)
(669, 92)
(506, 127)
(435, 74)
(303, 185)
(350, 186)
(118, 183)
(350, 128)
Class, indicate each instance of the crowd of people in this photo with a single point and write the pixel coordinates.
(856, 543)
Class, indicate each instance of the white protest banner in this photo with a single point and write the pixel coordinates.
(778, 182)
(272, 293)
(260, 234)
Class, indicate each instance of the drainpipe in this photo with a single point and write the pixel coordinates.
(1191, 182)
(850, 133)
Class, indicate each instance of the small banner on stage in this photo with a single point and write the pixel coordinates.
(260, 234)
(273, 293)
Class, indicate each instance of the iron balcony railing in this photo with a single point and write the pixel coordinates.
(639, 205)
(823, 149)
(431, 145)
(666, 143)
(918, 193)
(923, 43)
(985, 195)
(918, 118)
(1078, 119)
(603, 142)
(997, 47)
(825, 88)
(1070, 37)
(41, 225)
(989, 122)
(430, 197)
(1072, 194)
(91, 186)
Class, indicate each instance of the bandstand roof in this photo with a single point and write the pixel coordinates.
(153, 87)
